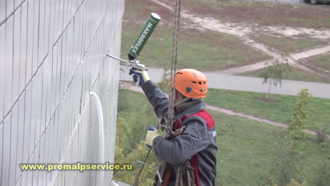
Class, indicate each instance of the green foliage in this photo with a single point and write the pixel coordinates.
(293, 182)
(298, 121)
(322, 134)
(163, 84)
(275, 73)
(126, 153)
(134, 116)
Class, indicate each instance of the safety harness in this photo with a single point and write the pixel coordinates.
(187, 173)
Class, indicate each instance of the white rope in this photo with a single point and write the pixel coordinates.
(173, 65)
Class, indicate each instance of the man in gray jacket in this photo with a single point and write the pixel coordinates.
(196, 144)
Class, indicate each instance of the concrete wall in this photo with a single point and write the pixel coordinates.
(52, 54)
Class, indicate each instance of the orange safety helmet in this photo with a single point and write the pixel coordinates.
(191, 83)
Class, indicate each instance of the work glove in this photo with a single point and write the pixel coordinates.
(151, 135)
(139, 77)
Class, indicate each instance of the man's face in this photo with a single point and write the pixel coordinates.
(177, 96)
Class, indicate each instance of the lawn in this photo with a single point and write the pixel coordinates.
(295, 74)
(249, 152)
(200, 49)
(287, 45)
(278, 109)
(319, 63)
(203, 50)
(261, 14)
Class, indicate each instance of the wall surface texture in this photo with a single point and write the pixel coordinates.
(52, 55)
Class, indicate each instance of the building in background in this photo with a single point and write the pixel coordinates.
(52, 55)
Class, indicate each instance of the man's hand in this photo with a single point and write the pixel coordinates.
(139, 77)
(151, 135)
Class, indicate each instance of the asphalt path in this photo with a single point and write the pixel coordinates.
(243, 83)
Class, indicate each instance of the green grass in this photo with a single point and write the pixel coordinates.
(295, 74)
(288, 45)
(206, 50)
(262, 14)
(203, 50)
(321, 62)
(247, 150)
(279, 109)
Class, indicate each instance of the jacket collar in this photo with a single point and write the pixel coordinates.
(189, 108)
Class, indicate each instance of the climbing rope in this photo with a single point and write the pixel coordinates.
(173, 65)
(185, 175)
(185, 172)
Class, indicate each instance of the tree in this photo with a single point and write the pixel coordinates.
(298, 121)
(322, 134)
(275, 74)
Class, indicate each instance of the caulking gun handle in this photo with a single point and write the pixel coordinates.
(150, 129)
(137, 83)
(136, 79)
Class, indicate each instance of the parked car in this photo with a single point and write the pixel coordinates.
(313, 2)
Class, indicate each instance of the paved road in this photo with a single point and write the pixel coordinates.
(242, 83)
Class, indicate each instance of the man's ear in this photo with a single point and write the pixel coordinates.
(176, 95)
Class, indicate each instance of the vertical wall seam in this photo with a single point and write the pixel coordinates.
(11, 14)
(6, 115)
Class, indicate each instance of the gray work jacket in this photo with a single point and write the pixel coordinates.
(196, 138)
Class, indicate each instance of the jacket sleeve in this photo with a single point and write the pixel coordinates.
(156, 97)
(194, 139)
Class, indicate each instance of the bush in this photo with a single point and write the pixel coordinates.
(133, 119)
(127, 153)
(298, 121)
(322, 135)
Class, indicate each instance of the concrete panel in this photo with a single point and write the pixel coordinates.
(2, 11)
(2, 69)
(8, 66)
(5, 164)
(56, 58)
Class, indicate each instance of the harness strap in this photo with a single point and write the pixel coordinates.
(167, 176)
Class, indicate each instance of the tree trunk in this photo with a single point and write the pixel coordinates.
(270, 85)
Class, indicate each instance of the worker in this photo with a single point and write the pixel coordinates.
(196, 144)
